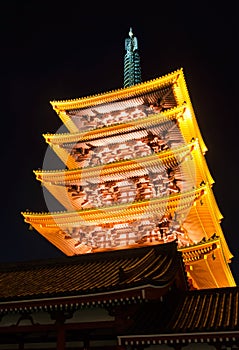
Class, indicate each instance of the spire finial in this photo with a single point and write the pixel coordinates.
(132, 69)
(130, 32)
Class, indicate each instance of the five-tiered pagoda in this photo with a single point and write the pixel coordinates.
(135, 176)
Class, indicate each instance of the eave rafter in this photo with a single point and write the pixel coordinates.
(206, 214)
(174, 114)
(119, 213)
(208, 258)
(174, 80)
(199, 251)
(120, 169)
(119, 94)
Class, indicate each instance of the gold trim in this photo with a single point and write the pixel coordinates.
(119, 94)
(115, 213)
(166, 157)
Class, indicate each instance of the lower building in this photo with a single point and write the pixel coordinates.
(127, 299)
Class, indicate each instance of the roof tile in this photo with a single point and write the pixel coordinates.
(90, 273)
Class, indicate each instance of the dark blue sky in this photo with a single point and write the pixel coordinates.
(56, 51)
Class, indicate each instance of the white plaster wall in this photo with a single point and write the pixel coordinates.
(90, 315)
(192, 346)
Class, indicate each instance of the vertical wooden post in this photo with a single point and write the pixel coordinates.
(86, 345)
(60, 337)
(21, 345)
(60, 330)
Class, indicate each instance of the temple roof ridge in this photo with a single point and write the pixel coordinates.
(137, 251)
(99, 279)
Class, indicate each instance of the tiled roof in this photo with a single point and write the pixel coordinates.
(197, 314)
(86, 274)
(206, 310)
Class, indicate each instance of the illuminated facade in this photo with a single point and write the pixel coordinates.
(146, 263)
(135, 176)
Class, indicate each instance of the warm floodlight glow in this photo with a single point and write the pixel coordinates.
(134, 175)
(187, 113)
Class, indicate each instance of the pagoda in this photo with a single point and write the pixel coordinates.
(135, 175)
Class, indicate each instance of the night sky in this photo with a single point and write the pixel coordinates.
(59, 51)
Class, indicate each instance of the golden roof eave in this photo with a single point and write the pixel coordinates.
(55, 140)
(189, 156)
(115, 129)
(118, 94)
(207, 264)
(118, 213)
(162, 158)
(197, 251)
